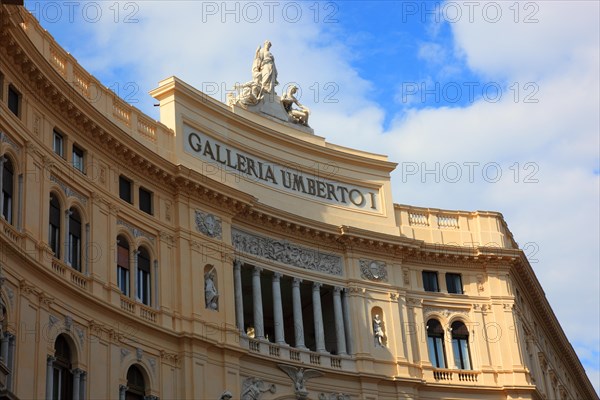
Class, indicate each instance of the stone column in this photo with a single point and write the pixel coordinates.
(278, 309)
(49, 376)
(318, 316)
(347, 322)
(239, 299)
(20, 204)
(339, 321)
(82, 386)
(67, 256)
(298, 322)
(76, 382)
(259, 329)
(154, 297)
(122, 391)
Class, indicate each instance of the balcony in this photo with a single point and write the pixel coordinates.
(299, 356)
(141, 310)
(76, 278)
(458, 376)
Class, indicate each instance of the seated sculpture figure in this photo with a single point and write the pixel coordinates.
(300, 115)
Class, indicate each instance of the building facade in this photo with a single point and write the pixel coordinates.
(221, 250)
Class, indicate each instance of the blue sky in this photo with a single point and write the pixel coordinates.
(504, 87)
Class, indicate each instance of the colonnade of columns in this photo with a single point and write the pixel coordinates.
(340, 310)
(79, 380)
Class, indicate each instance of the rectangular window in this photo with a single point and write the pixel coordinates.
(58, 143)
(54, 228)
(14, 100)
(125, 189)
(78, 159)
(454, 283)
(145, 198)
(7, 189)
(430, 281)
(123, 279)
(436, 351)
(123, 268)
(460, 348)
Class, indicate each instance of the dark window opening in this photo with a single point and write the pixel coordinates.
(143, 276)
(435, 344)
(454, 283)
(7, 190)
(74, 239)
(78, 159)
(145, 198)
(460, 345)
(123, 265)
(14, 101)
(54, 228)
(430, 281)
(136, 385)
(62, 376)
(58, 143)
(125, 189)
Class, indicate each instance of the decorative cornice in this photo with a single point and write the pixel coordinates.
(4, 138)
(287, 253)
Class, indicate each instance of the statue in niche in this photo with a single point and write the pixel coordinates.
(378, 331)
(211, 295)
(299, 376)
(299, 116)
(253, 388)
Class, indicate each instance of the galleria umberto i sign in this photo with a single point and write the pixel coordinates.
(286, 178)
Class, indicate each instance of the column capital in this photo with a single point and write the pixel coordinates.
(257, 270)
(337, 290)
(317, 286)
(296, 282)
(277, 276)
(68, 212)
(237, 264)
(123, 388)
(50, 360)
(77, 371)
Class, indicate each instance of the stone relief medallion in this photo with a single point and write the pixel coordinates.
(287, 253)
(373, 270)
(208, 224)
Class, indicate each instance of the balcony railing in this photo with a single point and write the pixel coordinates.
(66, 272)
(455, 375)
(301, 356)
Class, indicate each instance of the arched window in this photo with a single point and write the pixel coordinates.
(54, 229)
(8, 174)
(123, 265)
(435, 343)
(136, 385)
(74, 253)
(143, 276)
(460, 345)
(63, 378)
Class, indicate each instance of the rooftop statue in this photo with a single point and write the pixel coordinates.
(259, 96)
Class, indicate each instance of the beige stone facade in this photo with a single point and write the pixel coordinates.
(183, 258)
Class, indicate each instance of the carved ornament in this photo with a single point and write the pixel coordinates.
(373, 270)
(286, 253)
